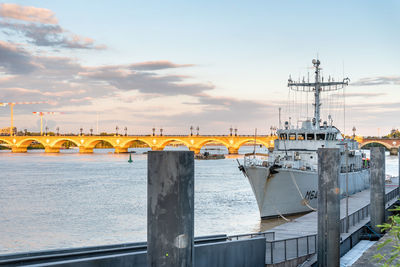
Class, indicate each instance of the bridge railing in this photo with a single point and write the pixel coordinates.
(146, 135)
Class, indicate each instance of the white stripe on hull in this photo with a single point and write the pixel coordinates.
(280, 195)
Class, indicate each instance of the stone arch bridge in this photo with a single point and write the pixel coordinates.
(392, 144)
(86, 144)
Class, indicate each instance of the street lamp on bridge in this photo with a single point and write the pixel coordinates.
(58, 130)
(91, 131)
(354, 131)
(191, 130)
(161, 130)
(197, 129)
(126, 130)
(230, 130)
(81, 129)
(235, 131)
(116, 130)
(154, 131)
(47, 129)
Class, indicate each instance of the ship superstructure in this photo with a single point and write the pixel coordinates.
(286, 182)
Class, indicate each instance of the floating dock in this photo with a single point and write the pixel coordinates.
(297, 240)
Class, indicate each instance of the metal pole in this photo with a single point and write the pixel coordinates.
(347, 188)
(41, 124)
(12, 119)
(377, 187)
(170, 208)
(328, 207)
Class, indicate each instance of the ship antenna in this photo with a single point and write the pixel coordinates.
(280, 122)
(317, 87)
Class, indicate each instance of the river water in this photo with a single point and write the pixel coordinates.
(51, 201)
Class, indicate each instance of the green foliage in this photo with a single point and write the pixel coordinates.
(393, 227)
(395, 133)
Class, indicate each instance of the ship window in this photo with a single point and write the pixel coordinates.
(292, 136)
(283, 136)
(301, 136)
(310, 136)
(320, 136)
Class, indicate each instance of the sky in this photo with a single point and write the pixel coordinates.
(212, 64)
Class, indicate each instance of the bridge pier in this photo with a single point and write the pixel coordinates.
(233, 150)
(15, 149)
(49, 149)
(85, 150)
(195, 150)
(394, 151)
(121, 150)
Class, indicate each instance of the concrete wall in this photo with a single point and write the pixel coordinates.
(243, 253)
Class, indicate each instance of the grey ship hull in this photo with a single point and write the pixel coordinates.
(285, 192)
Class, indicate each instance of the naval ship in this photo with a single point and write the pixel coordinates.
(286, 181)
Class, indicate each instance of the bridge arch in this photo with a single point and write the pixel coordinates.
(168, 141)
(6, 141)
(204, 142)
(94, 142)
(387, 146)
(127, 143)
(26, 142)
(58, 143)
(245, 141)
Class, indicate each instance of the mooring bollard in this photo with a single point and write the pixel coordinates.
(170, 208)
(377, 187)
(328, 207)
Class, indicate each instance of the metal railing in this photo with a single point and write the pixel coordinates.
(269, 236)
(283, 250)
(354, 218)
(287, 249)
(392, 194)
(364, 212)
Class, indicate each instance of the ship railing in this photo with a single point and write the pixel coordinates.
(269, 236)
(277, 251)
(255, 159)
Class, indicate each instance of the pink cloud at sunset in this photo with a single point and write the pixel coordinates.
(27, 13)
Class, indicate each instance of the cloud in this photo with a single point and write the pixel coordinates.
(40, 27)
(49, 35)
(157, 65)
(364, 95)
(27, 13)
(65, 81)
(122, 77)
(224, 111)
(380, 80)
(15, 60)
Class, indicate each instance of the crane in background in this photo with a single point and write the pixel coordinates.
(12, 104)
(41, 114)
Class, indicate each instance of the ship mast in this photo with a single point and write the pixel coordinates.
(317, 87)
